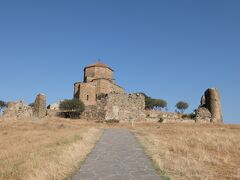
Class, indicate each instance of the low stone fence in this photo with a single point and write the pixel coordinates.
(165, 117)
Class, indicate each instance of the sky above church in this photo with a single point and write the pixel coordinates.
(168, 49)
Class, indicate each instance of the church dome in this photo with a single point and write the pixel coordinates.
(99, 64)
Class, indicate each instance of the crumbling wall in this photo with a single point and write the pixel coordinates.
(94, 113)
(53, 109)
(165, 117)
(124, 107)
(210, 107)
(203, 115)
(17, 110)
(115, 106)
(39, 109)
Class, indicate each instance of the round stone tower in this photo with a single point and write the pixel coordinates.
(98, 71)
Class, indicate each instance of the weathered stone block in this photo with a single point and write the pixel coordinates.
(39, 109)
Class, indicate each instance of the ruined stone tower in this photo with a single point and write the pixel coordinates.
(213, 103)
(98, 79)
(39, 109)
(210, 109)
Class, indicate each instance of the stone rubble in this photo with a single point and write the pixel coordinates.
(17, 110)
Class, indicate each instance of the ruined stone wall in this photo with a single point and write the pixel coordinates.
(213, 103)
(124, 107)
(40, 108)
(17, 110)
(210, 107)
(167, 117)
(114, 106)
(94, 113)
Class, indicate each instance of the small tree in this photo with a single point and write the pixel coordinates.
(72, 108)
(182, 106)
(151, 103)
(159, 104)
(2, 105)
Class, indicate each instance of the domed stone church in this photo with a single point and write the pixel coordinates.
(98, 79)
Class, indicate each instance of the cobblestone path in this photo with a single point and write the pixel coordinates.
(117, 156)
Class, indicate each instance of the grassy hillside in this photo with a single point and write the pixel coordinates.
(50, 149)
(55, 148)
(193, 151)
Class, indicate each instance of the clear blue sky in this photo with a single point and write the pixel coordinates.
(169, 49)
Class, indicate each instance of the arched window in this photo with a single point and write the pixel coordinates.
(87, 97)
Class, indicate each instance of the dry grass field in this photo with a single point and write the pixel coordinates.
(193, 151)
(51, 149)
(55, 148)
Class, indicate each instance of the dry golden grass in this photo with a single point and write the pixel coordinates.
(54, 148)
(193, 151)
(50, 149)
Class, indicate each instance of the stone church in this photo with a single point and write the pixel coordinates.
(98, 79)
(104, 99)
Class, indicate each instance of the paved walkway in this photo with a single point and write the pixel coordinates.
(117, 156)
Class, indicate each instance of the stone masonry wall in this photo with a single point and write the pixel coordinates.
(124, 107)
(87, 92)
(114, 106)
(168, 117)
(104, 86)
(96, 73)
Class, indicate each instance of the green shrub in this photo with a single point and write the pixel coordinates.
(112, 121)
(151, 103)
(161, 120)
(188, 116)
(71, 108)
(192, 115)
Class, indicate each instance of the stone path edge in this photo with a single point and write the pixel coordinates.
(162, 173)
(80, 163)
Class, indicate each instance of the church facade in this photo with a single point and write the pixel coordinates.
(98, 79)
